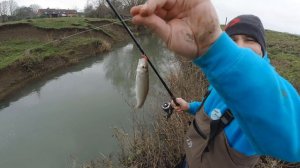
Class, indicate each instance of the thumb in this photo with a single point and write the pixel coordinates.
(156, 24)
(180, 101)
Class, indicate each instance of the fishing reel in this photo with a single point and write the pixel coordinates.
(168, 109)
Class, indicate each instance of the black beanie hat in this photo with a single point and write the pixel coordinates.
(249, 25)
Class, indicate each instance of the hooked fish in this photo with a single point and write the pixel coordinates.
(141, 82)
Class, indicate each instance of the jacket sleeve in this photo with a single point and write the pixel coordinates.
(266, 106)
(194, 107)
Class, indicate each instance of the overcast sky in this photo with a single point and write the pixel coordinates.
(280, 15)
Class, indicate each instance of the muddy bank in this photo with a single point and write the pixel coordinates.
(18, 74)
(28, 32)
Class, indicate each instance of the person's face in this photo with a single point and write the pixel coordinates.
(247, 42)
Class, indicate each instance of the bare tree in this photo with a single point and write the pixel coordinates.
(89, 10)
(128, 4)
(131, 3)
(4, 10)
(35, 8)
(12, 7)
(4, 7)
(1, 9)
(90, 3)
(99, 8)
(24, 13)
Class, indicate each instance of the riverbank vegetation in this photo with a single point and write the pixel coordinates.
(49, 36)
(160, 143)
(62, 22)
(32, 52)
(33, 47)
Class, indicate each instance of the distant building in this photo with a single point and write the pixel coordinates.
(57, 12)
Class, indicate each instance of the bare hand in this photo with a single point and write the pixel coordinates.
(183, 105)
(188, 27)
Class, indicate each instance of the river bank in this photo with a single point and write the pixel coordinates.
(33, 48)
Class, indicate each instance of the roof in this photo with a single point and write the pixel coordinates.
(57, 11)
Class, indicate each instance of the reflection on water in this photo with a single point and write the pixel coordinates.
(69, 115)
(37, 84)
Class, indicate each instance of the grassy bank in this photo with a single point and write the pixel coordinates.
(34, 47)
(55, 30)
(159, 144)
(60, 23)
(14, 51)
(284, 52)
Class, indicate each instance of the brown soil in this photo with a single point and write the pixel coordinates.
(26, 31)
(16, 76)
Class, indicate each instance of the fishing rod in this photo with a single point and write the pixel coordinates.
(143, 52)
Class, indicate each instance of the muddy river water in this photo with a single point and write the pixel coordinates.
(68, 117)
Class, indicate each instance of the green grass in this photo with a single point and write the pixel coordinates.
(284, 52)
(20, 49)
(12, 51)
(278, 42)
(60, 23)
(100, 19)
(14, 22)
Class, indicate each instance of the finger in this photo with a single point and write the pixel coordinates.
(151, 5)
(135, 10)
(179, 110)
(155, 23)
(162, 13)
(173, 103)
(178, 100)
(183, 104)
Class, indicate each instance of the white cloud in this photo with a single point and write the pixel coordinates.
(280, 15)
(62, 4)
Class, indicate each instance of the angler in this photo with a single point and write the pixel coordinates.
(251, 110)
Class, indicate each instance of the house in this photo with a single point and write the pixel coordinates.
(57, 12)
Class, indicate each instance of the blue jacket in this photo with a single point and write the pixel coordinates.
(266, 107)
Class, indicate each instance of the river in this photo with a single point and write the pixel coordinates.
(68, 116)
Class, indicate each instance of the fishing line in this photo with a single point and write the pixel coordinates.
(142, 51)
(76, 34)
